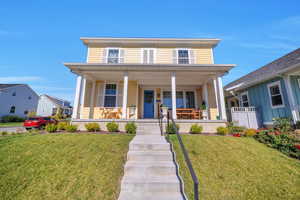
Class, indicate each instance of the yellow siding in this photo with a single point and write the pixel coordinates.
(95, 55)
(163, 55)
(132, 55)
(203, 56)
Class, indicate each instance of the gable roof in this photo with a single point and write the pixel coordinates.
(55, 100)
(3, 86)
(275, 68)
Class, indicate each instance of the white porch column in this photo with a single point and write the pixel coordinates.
(292, 103)
(91, 114)
(222, 108)
(173, 80)
(216, 95)
(125, 93)
(76, 107)
(82, 100)
(205, 94)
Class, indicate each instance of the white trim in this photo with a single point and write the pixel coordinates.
(92, 103)
(212, 56)
(276, 83)
(298, 82)
(173, 84)
(125, 94)
(216, 95)
(142, 55)
(117, 92)
(221, 99)
(241, 99)
(291, 100)
(82, 99)
(189, 55)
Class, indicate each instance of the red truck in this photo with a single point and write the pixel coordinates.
(38, 122)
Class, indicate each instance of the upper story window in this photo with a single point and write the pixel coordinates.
(183, 56)
(114, 55)
(148, 56)
(29, 97)
(244, 99)
(14, 94)
(110, 95)
(275, 94)
(12, 109)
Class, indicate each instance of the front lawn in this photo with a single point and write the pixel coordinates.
(11, 124)
(62, 166)
(238, 168)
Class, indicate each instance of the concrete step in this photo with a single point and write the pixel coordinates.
(150, 146)
(150, 196)
(148, 139)
(149, 169)
(149, 156)
(157, 184)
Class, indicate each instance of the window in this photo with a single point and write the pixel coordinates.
(110, 96)
(183, 56)
(244, 99)
(275, 95)
(14, 94)
(25, 112)
(113, 56)
(12, 109)
(148, 56)
(183, 99)
(190, 99)
(29, 97)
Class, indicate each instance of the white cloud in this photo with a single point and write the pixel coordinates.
(19, 79)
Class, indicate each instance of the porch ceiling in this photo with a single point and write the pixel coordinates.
(155, 78)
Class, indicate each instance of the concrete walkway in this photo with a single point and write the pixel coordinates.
(150, 173)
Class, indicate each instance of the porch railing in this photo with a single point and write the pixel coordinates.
(182, 147)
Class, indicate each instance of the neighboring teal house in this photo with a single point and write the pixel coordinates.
(273, 89)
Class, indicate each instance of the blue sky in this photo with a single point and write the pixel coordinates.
(36, 37)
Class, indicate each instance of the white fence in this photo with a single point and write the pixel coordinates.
(245, 116)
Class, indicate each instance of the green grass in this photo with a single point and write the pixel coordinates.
(232, 168)
(11, 124)
(62, 166)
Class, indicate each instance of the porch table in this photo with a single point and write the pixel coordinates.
(188, 113)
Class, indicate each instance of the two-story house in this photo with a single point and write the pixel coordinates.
(129, 78)
(17, 99)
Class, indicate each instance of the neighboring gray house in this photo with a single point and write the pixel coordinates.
(17, 99)
(274, 89)
(48, 106)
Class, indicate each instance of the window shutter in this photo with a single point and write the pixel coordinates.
(145, 56)
(104, 55)
(120, 95)
(121, 56)
(175, 56)
(151, 56)
(191, 57)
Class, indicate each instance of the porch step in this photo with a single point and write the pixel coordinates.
(149, 142)
(148, 129)
(150, 169)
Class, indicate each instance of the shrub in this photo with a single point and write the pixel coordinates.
(282, 142)
(130, 128)
(297, 125)
(4, 133)
(71, 128)
(92, 127)
(51, 128)
(11, 118)
(62, 125)
(112, 127)
(222, 130)
(283, 125)
(31, 114)
(250, 132)
(196, 129)
(170, 129)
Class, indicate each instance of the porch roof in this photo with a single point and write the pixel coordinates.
(220, 69)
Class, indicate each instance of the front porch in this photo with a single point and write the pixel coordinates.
(138, 95)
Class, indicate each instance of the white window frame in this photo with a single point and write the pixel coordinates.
(276, 83)
(177, 55)
(113, 48)
(117, 93)
(142, 55)
(241, 99)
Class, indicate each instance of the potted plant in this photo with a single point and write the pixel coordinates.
(203, 108)
(164, 109)
(132, 109)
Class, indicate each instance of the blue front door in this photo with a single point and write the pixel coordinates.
(148, 104)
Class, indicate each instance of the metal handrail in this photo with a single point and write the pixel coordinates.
(183, 149)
